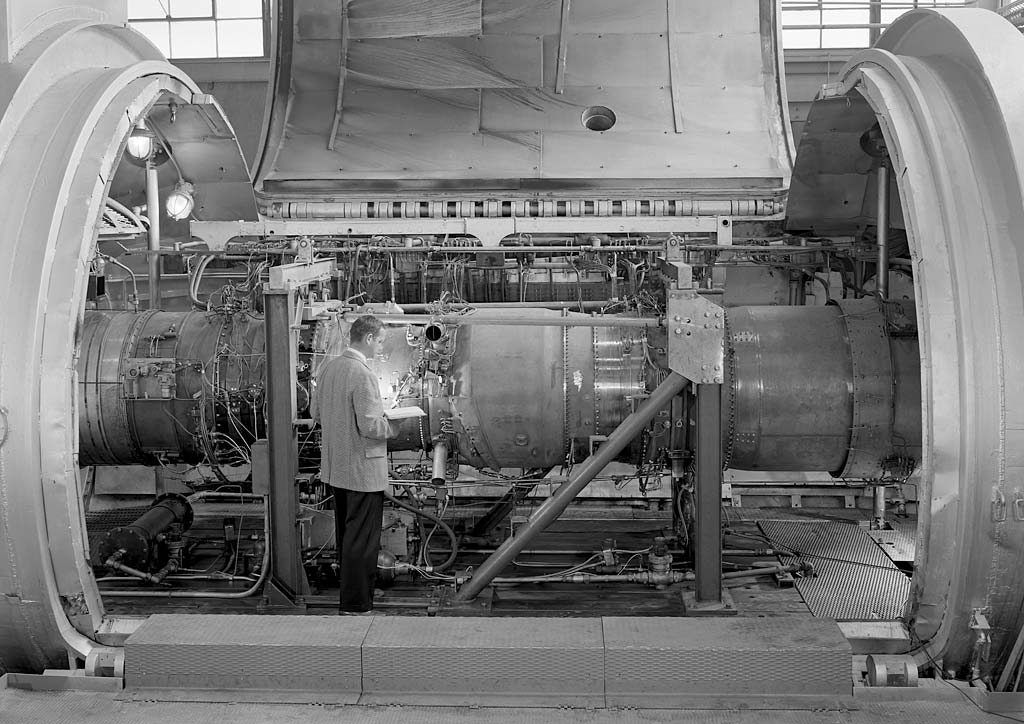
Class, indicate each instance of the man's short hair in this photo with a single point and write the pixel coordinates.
(367, 324)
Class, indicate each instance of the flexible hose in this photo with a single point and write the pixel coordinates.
(433, 518)
(194, 280)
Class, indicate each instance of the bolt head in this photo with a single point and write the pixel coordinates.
(678, 330)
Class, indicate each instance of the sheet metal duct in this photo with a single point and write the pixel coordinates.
(389, 108)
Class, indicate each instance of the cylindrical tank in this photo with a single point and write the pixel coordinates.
(788, 394)
(139, 543)
(833, 388)
(159, 385)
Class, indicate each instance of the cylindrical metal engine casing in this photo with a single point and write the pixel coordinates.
(788, 389)
(829, 389)
(522, 396)
(147, 382)
(806, 388)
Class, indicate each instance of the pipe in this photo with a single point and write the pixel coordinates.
(444, 526)
(157, 577)
(195, 278)
(586, 471)
(646, 577)
(764, 571)
(482, 319)
(582, 306)
(153, 211)
(439, 463)
(484, 249)
(882, 275)
(882, 286)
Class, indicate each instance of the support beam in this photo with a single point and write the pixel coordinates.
(501, 510)
(675, 69)
(882, 232)
(287, 577)
(153, 212)
(342, 75)
(586, 471)
(708, 556)
(563, 48)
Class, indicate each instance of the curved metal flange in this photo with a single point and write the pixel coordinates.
(70, 100)
(944, 87)
(872, 393)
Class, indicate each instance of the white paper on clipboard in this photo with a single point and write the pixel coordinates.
(403, 413)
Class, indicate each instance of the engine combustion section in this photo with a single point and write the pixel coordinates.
(832, 388)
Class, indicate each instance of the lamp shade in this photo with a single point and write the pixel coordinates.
(180, 201)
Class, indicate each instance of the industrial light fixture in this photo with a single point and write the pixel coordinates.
(144, 147)
(180, 201)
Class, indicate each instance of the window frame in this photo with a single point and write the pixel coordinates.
(266, 8)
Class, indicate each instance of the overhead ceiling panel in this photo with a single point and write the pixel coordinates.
(470, 91)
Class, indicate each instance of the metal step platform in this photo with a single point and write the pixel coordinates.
(594, 662)
(855, 580)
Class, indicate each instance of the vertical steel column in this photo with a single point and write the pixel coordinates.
(882, 286)
(708, 554)
(882, 225)
(874, 21)
(153, 212)
(287, 578)
(581, 477)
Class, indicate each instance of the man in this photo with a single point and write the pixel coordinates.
(353, 461)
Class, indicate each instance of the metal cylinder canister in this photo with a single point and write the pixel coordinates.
(149, 382)
(833, 388)
(138, 542)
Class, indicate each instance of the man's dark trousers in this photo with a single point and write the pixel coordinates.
(358, 518)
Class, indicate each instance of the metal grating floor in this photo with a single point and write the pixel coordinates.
(855, 580)
(899, 543)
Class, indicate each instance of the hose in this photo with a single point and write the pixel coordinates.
(433, 518)
(195, 278)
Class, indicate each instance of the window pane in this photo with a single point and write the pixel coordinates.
(191, 9)
(845, 38)
(138, 9)
(158, 34)
(194, 39)
(844, 17)
(240, 38)
(801, 17)
(801, 39)
(239, 8)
